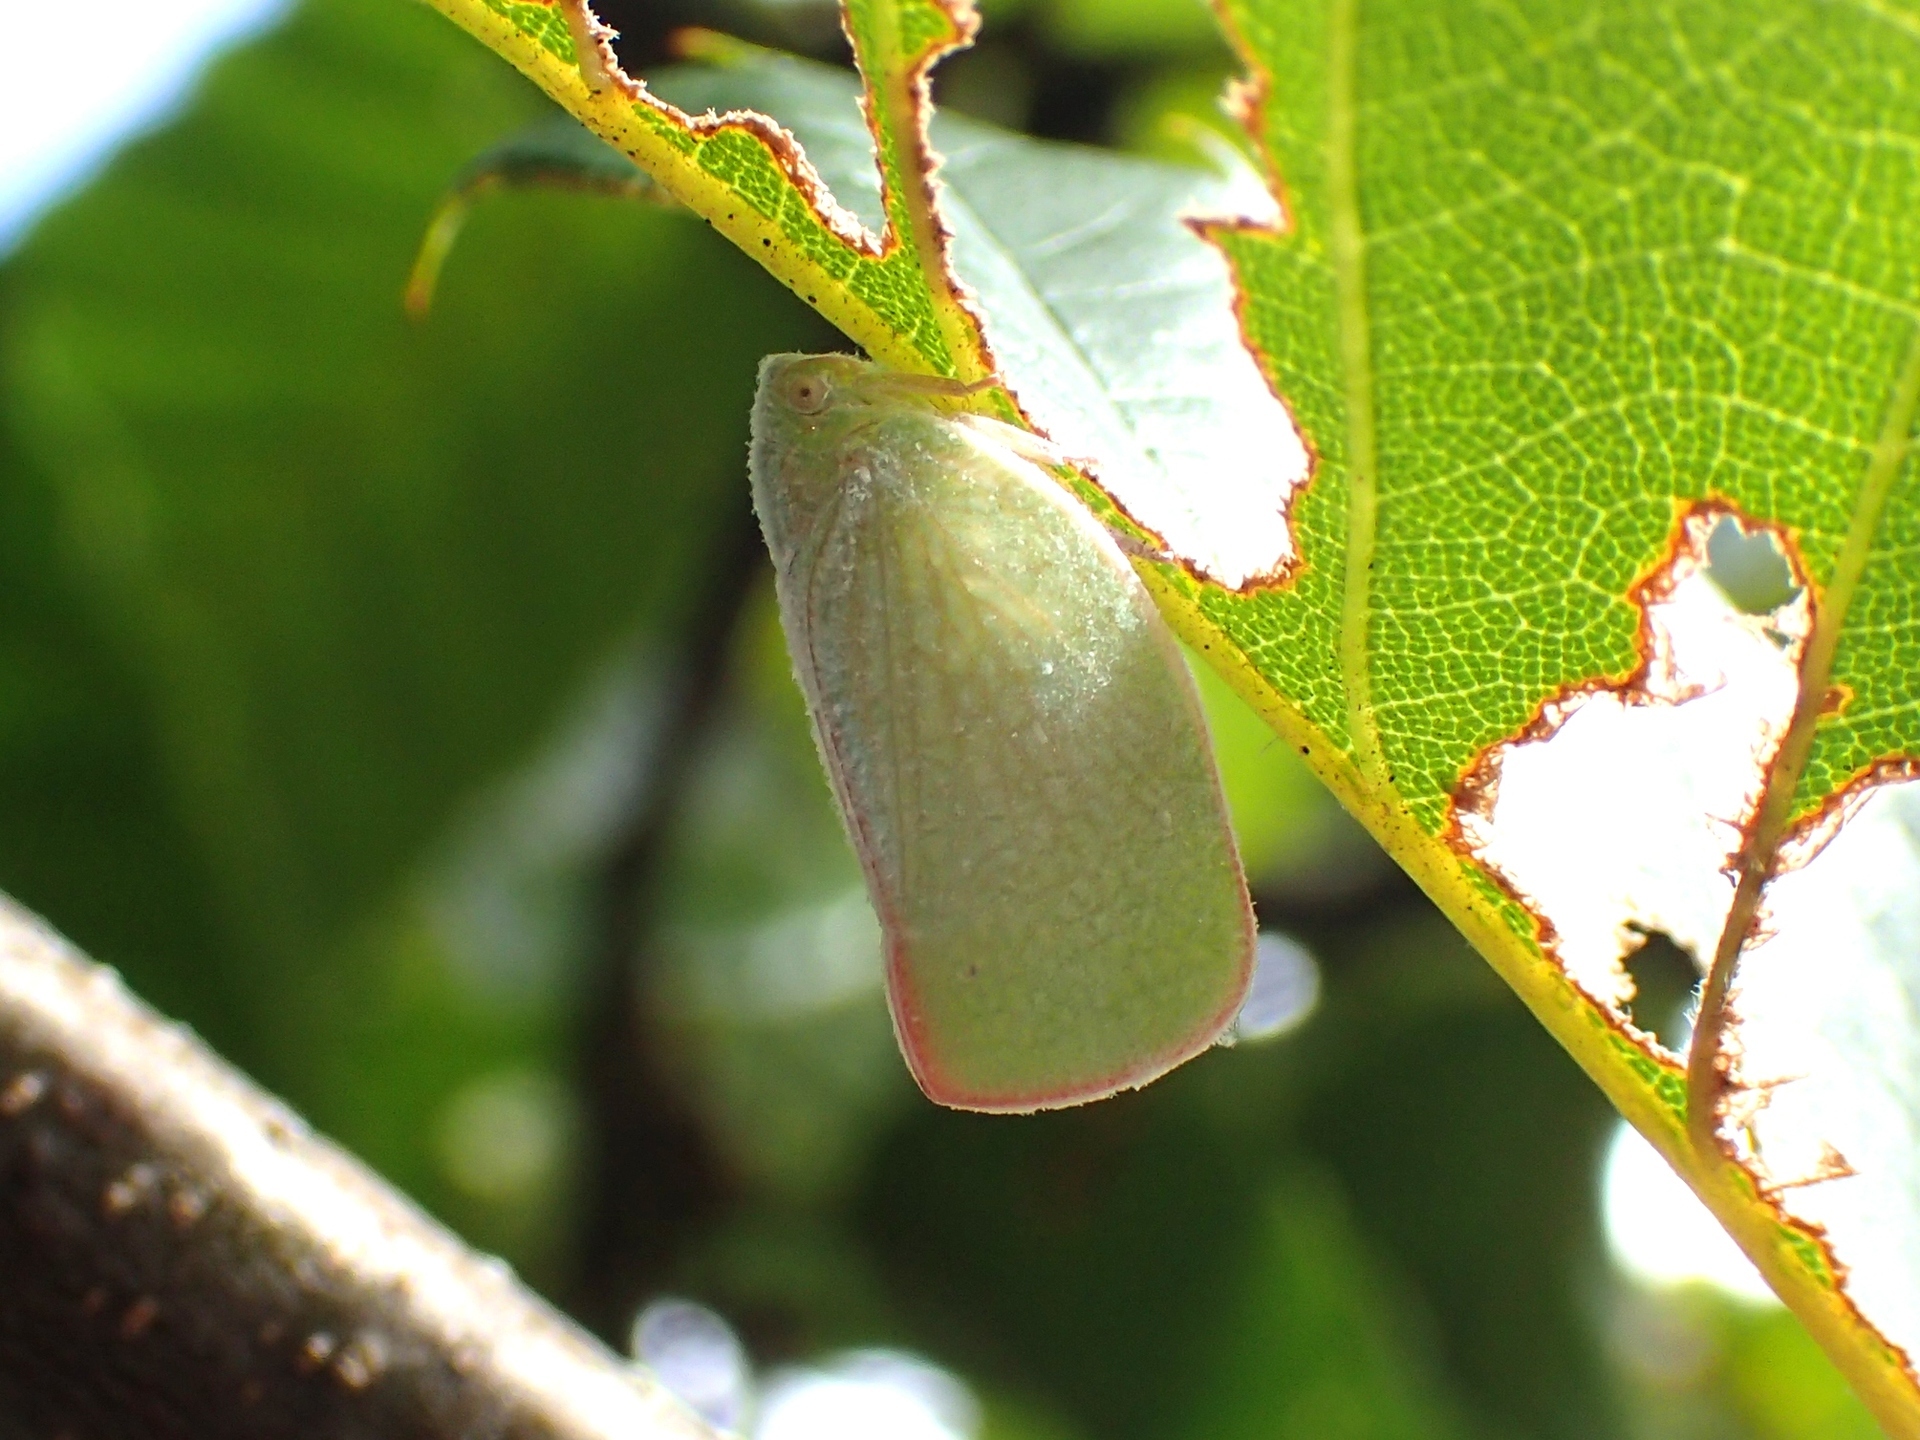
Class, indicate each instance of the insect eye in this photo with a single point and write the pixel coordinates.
(808, 394)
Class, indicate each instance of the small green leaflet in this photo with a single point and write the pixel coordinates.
(1013, 738)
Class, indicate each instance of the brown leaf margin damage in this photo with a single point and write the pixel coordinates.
(1647, 1085)
(1477, 791)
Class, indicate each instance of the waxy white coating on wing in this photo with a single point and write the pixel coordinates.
(1015, 742)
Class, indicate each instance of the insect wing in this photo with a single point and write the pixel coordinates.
(1023, 766)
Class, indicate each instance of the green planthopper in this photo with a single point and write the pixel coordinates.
(1015, 743)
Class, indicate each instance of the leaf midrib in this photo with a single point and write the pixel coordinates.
(1707, 1076)
(1348, 250)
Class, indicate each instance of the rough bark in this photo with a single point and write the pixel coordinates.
(180, 1256)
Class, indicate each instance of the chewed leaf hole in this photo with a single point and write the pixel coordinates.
(1748, 567)
(1664, 980)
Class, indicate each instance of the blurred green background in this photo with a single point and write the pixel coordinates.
(402, 705)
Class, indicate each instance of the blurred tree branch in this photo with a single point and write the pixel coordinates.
(655, 1179)
(183, 1258)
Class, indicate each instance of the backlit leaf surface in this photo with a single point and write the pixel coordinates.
(1558, 292)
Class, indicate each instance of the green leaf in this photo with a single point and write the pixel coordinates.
(891, 291)
(1112, 321)
(1556, 297)
(1558, 293)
